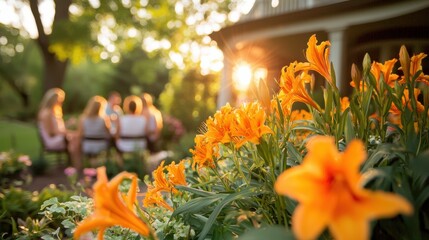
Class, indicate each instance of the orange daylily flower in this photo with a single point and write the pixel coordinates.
(218, 127)
(154, 197)
(407, 102)
(318, 57)
(204, 152)
(176, 173)
(415, 65)
(292, 86)
(378, 69)
(345, 103)
(327, 186)
(250, 124)
(300, 115)
(300, 134)
(159, 180)
(110, 209)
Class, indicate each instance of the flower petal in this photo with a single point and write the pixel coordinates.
(349, 227)
(385, 205)
(299, 183)
(351, 159)
(309, 221)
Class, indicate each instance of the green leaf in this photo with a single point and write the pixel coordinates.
(422, 197)
(349, 131)
(195, 191)
(230, 198)
(293, 154)
(197, 204)
(68, 224)
(270, 232)
(49, 202)
(55, 209)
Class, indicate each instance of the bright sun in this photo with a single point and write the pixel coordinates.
(242, 76)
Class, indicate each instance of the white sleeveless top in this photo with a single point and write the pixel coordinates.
(56, 142)
(94, 128)
(131, 126)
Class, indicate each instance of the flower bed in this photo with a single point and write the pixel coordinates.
(13, 169)
(346, 168)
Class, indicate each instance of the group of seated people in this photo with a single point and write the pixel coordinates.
(103, 124)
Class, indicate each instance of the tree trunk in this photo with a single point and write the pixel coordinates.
(54, 69)
(54, 72)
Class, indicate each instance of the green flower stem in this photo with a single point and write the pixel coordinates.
(225, 185)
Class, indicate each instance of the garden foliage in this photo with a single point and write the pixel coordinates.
(347, 168)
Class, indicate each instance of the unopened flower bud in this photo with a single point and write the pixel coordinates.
(356, 76)
(366, 64)
(404, 59)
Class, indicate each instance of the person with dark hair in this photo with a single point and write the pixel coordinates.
(113, 110)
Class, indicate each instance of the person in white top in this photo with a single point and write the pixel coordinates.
(155, 122)
(132, 126)
(51, 126)
(93, 127)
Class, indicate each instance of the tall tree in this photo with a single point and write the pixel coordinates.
(54, 69)
(176, 30)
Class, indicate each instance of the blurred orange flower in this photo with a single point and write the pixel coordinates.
(250, 124)
(318, 57)
(328, 188)
(345, 103)
(159, 180)
(154, 197)
(110, 209)
(407, 102)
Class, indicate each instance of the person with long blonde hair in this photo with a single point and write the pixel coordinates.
(51, 125)
(94, 126)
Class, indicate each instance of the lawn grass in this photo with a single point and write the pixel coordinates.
(20, 137)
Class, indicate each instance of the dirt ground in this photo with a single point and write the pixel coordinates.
(52, 176)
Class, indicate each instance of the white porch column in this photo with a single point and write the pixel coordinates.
(336, 37)
(225, 89)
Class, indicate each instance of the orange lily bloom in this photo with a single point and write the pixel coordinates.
(154, 197)
(176, 173)
(204, 152)
(300, 115)
(378, 69)
(345, 103)
(110, 209)
(218, 128)
(318, 57)
(328, 188)
(250, 124)
(292, 88)
(159, 180)
(407, 102)
(415, 66)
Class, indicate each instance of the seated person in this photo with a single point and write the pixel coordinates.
(132, 126)
(93, 127)
(51, 126)
(155, 122)
(113, 110)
